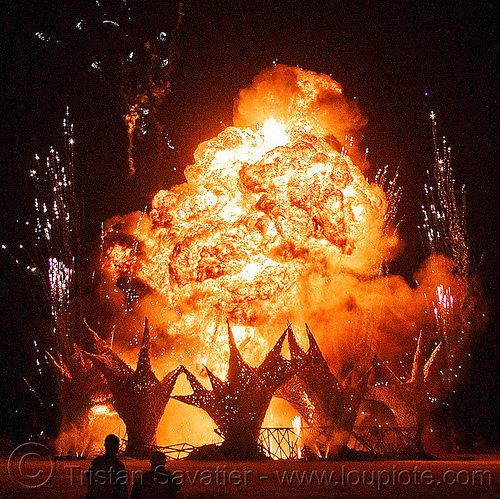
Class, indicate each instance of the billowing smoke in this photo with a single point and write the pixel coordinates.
(275, 223)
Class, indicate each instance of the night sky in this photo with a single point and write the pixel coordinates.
(400, 63)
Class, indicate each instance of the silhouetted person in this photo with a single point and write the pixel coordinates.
(107, 476)
(158, 483)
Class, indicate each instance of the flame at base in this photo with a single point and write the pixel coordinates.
(85, 440)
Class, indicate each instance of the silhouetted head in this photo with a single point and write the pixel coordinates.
(157, 459)
(111, 444)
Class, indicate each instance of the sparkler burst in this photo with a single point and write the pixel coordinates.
(53, 263)
(57, 230)
(52, 253)
(445, 231)
(445, 224)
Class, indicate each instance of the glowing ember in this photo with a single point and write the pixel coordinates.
(101, 410)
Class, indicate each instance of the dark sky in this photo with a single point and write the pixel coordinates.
(399, 62)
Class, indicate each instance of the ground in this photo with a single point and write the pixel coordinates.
(465, 478)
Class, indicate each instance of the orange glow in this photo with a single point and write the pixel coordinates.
(263, 209)
(276, 222)
(101, 410)
(268, 210)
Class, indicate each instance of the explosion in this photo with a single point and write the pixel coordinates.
(276, 223)
(268, 216)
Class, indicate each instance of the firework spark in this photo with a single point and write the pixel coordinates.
(445, 231)
(57, 233)
(445, 224)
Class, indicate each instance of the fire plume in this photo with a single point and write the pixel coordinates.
(277, 223)
(273, 209)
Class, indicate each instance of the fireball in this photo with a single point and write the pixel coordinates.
(272, 211)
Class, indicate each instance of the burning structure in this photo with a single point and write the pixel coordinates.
(137, 395)
(239, 404)
(326, 405)
(277, 223)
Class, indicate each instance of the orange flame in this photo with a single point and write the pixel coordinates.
(276, 222)
(266, 214)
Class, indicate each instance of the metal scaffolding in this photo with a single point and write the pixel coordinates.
(279, 443)
(380, 441)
